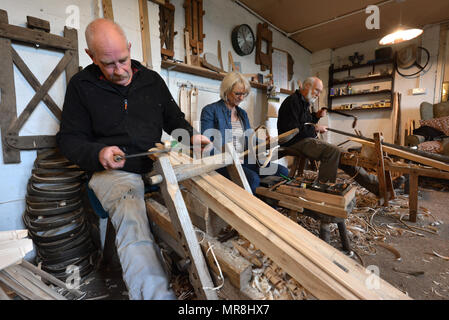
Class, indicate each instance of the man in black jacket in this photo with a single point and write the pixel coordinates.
(295, 113)
(115, 106)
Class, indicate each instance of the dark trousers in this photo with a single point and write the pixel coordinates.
(329, 157)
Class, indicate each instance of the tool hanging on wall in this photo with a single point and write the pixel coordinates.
(193, 93)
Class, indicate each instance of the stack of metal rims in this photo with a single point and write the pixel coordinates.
(56, 218)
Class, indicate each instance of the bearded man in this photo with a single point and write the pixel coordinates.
(295, 113)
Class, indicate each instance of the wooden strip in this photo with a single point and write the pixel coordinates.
(50, 278)
(73, 66)
(8, 109)
(36, 37)
(194, 109)
(36, 23)
(179, 216)
(31, 142)
(35, 84)
(235, 170)
(21, 291)
(300, 203)
(20, 121)
(38, 293)
(413, 196)
(108, 13)
(145, 34)
(219, 55)
(26, 274)
(13, 234)
(187, 46)
(332, 199)
(3, 295)
(381, 169)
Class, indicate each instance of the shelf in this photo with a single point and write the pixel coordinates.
(362, 94)
(206, 73)
(363, 65)
(363, 109)
(373, 78)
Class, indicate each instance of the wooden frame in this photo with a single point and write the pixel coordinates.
(167, 30)
(264, 59)
(10, 122)
(194, 25)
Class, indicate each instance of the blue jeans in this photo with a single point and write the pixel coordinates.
(253, 174)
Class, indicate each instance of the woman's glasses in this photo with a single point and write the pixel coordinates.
(240, 94)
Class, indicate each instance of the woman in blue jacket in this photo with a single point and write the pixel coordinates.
(226, 120)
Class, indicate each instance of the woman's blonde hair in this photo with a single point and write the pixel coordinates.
(230, 80)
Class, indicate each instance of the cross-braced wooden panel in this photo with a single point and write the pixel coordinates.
(10, 122)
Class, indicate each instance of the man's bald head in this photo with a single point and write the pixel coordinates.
(109, 50)
(102, 31)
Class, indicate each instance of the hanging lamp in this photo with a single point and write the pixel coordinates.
(402, 33)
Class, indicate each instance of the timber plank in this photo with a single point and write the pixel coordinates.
(8, 108)
(36, 37)
(179, 216)
(328, 209)
(328, 198)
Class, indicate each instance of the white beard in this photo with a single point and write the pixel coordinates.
(310, 99)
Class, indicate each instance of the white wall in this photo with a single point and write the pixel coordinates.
(370, 121)
(220, 18)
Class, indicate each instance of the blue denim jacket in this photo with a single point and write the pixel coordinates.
(217, 116)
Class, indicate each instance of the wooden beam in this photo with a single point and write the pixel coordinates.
(145, 34)
(108, 12)
(328, 198)
(36, 23)
(235, 170)
(299, 202)
(200, 277)
(36, 37)
(8, 108)
(381, 169)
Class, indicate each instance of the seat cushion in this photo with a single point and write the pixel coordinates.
(441, 124)
(431, 146)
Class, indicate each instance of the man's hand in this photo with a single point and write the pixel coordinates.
(321, 113)
(106, 158)
(320, 129)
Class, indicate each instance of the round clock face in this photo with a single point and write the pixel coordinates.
(243, 40)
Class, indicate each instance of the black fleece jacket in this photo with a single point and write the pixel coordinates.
(294, 113)
(97, 113)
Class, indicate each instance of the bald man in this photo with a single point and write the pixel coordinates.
(116, 106)
(295, 113)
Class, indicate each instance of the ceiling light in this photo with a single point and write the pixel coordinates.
(400, 35)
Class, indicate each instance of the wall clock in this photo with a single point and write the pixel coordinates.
(243, 40)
